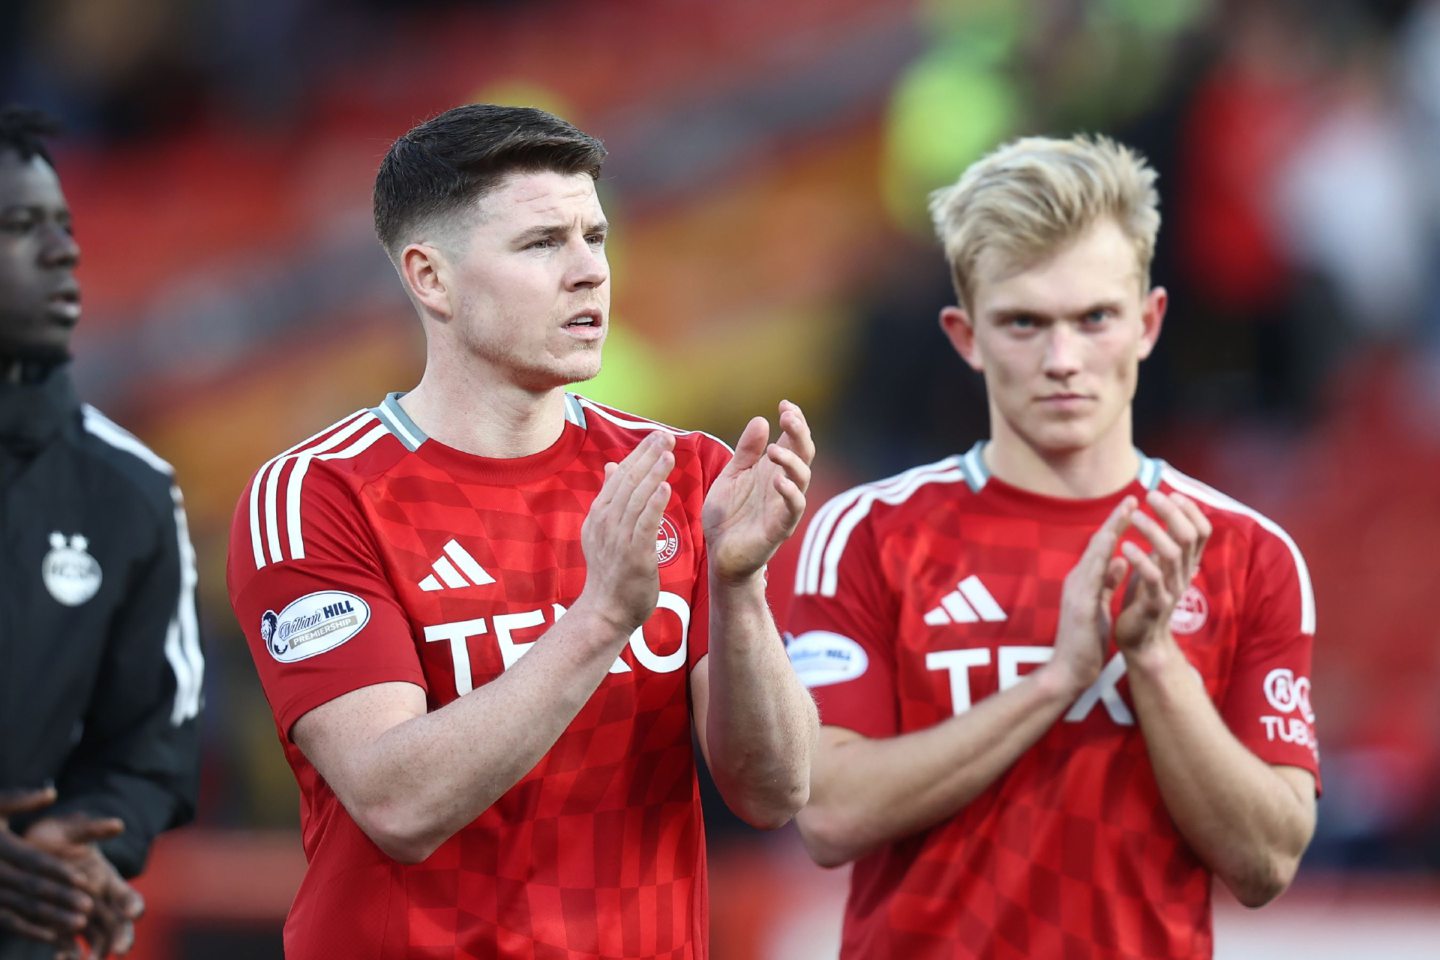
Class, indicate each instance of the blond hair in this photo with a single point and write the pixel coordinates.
(1030, 196)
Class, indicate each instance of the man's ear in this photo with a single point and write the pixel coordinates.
(426, 273)
(1152, 318)
(960, 331)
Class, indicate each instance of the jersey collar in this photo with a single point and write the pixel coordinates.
(977, 475)
(408, 432)
(398, 422)
(504, 471)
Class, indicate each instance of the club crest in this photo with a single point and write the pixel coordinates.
(71, 575)
(667, 542)
(1191, 612)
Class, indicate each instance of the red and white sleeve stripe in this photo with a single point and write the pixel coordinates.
(348, 438)
(818, 571)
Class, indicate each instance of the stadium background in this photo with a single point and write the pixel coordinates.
(768, 166)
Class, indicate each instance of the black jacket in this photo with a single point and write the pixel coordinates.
(100, 662)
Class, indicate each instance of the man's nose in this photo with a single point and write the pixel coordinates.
(60, 248)
(588, 266)
(1062, 352)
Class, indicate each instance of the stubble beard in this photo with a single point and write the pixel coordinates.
(538, 374)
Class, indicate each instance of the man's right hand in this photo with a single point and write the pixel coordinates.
(622, 579)
(72, 839)
(1085, 620)
(41, 897)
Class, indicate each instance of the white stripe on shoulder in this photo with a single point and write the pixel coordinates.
(812, 548)
(182, 639)
(1196, 490)
(182, 635)
(829, 532)
(629, 424)
(268, 474)
(101, 426)
(297, 479)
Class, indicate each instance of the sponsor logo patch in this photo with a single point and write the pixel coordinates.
(821, 658)
(1287, 692)
(667, 542)
(314, 624)
(71, 575)
(1191, 612)
(1291, 730)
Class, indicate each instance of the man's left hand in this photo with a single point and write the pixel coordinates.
(72, 838)
(1160, 577)
(758, 499)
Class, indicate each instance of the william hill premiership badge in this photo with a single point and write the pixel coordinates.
(71, 575)
(313, 624)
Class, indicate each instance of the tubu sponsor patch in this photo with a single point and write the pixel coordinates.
(821, 658)
(1287, 692)
(316, 623)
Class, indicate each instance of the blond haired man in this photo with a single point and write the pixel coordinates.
(1062, 683)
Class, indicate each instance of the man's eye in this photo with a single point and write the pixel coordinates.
(596, 239)
(544, 243)
(17, 224)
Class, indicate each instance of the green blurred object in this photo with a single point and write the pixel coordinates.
(944, 115)
(1163, 17)
(986, 32)
(981, 82)
(631, 375)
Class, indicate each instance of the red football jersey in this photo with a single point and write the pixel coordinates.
(371, 553)
(919, 595)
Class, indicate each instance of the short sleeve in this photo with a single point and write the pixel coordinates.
(1268, 704)
(842, 623)
(325, 623)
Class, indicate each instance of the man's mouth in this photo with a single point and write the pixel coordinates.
(1065, 401)
(65, 303)
(587, 326)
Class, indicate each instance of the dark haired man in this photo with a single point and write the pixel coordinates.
(487, 611)
(100, 665)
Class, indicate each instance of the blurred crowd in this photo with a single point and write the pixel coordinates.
(120, 70)
(776, 163)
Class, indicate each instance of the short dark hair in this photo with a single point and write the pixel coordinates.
(451, 160)
(24, 130)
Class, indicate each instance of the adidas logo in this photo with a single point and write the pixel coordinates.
(967, 603)
(468, 574)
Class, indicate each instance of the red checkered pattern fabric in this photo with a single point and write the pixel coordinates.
(949, 581)
(462, 563)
